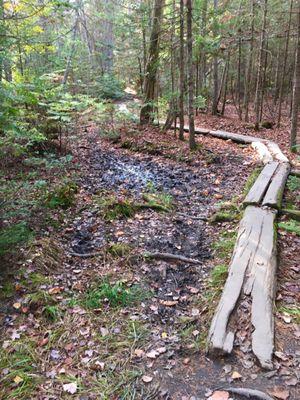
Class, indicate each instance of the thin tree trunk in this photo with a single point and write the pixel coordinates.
(263, 86)
(190, 65)
(147, 110)
(225, 84)
(214, 110)
(286, 47)
(181, 74)
(249, 68)
(258, 92)
(69, 62)
(296, 92)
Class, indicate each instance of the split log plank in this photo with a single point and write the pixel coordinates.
(273, 197)
(254, 247)
(260, 186)
(260, 284)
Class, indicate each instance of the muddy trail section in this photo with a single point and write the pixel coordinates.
(103, 320)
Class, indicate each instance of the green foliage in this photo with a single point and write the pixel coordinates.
(293, 311)
(13, 236)
(225, 245)
(290, 226)
(21, 363)
(293, 183)
(218, 276)
(116, 295)
(109, 87)
(51, 312)
(63, 196)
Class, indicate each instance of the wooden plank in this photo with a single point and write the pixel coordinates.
(260, 284)
(219, 340)
(252, 271)
(258, 190)
(273, 197)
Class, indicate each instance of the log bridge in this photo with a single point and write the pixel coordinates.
(252, 270)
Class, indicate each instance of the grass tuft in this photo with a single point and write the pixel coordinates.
(116, 295)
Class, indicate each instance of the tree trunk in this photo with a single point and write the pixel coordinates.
(249, 68)
(214, 110)
(286, 47)
(258, 92)
(181, 74)
(189, 19)
(146, 115)
(296, 92)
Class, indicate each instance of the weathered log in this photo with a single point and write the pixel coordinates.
(276, 152)
(254, 255)
(236, 137)
(171, 257)
(260, 186)
(273, 197)
(294, 214)
(263, 152)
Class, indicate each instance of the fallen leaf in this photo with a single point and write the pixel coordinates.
(219, 395)
(139, 353)
(169, 303)
(236, 375)
(70, 387)
(147, 378)
(55, 290)
(17, 306)
(152, 354)
(18, 379)
(279, 393)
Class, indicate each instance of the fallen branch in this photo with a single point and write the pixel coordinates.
(171, 257)
(85, 255)
(249, 393)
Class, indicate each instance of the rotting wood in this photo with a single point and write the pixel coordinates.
(171, 257)
(260, 284)
(259, 188)
(254, 252)
(249, 393)
(273, 197)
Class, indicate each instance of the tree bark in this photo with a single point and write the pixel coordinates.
(181, 74)
(286, 47)
(189, 19)
(146, 115)
(258, 92)
(296, 92)
(214, 110)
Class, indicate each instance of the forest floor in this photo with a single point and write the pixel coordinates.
(87, 313)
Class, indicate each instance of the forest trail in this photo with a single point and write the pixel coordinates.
(118, 324)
